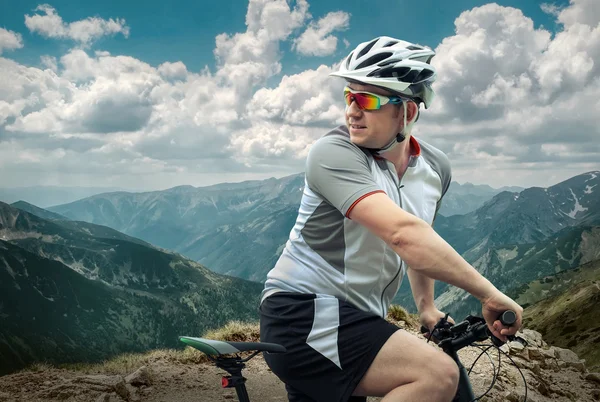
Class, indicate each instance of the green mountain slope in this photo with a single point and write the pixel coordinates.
(565, 310)
(74, 291)
(513, 265)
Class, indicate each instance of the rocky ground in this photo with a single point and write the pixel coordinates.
(551, 373)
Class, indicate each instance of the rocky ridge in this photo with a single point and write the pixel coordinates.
(552, 374)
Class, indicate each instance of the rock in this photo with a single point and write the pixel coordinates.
(565, 355)
(543, 389)
(549, 353)
(103, 398)
(512, 396)
(579, 366)
(141, 376)
(532, 337)
(516, 346)
(536, 354)
(593, 377)
(133, 393)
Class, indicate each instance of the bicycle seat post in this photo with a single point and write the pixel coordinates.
(234, 367)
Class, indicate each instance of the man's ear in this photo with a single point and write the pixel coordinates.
(412, 110)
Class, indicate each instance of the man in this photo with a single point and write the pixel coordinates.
(371, 195)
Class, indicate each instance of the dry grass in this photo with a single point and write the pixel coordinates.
(126, 363)
(398, 315)
(236, 331)
(39, 366)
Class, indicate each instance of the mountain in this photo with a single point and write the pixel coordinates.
(231, 227)
(510, 266)
(46, 196)
(460, 199)
(517, 237)
(234, 228)
(74, 291)
(239, 229)
(37, 211)
(526, 217)
(564, 308)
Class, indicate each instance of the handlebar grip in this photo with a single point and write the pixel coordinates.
(508, 318)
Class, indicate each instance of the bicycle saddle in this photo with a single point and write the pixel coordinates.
(212, 347)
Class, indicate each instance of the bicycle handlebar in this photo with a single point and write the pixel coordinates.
(472, 329)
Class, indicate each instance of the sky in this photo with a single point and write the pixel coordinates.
(152, 95)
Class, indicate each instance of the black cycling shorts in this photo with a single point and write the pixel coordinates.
(330, 344)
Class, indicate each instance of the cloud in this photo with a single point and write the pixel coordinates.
(511, 97)
(317, 39)
(551, 9)
(308, 98)
(51, 25)
(584, 12)
(246, 60)
(10, 40)
(176, 70)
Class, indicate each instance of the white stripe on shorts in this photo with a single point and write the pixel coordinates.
(323, 336)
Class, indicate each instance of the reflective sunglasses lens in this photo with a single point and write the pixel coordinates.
(364, 101)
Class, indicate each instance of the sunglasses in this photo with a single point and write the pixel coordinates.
(368, 100)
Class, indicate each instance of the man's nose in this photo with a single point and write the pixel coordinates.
(353, 109)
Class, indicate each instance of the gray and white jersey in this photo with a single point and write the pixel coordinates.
(329, 254)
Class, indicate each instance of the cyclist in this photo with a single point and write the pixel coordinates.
(372, 191)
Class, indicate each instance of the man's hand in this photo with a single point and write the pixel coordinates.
(495, 305)
(429, 317)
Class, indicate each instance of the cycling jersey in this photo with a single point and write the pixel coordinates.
(327, 253)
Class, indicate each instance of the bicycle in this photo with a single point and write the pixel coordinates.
(450, 338)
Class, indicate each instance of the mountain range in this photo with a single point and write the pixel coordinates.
(239, 229)
(69, 276)
(47, 196)
(517, 237)
(236, 229)
(75, 291)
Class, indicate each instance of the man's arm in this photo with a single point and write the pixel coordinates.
(426, 252)
(422, 288)
(419, 245)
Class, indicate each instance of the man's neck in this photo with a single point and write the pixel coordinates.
(400, 155)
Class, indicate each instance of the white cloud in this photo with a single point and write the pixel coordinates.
(10, 40)
(246, 60)
(51, 25)
(311, 97)
(176, 70)
(50, 62)
(584, 12)
(317, 39)
(551, 9)
(510, 97)
(269, 143)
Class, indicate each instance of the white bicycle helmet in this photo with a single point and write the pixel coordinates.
(396, 65)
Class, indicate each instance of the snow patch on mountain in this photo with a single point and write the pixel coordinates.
(577, 208)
